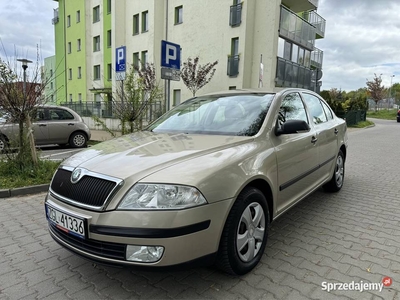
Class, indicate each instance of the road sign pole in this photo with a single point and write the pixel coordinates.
(168, 94)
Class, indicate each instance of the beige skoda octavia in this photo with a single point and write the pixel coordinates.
(202, 184)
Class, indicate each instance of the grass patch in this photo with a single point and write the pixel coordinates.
(362, 124)
(12, 176)
(383, 114)
(92, 143)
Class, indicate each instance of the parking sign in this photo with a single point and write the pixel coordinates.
(170, 55)
(120, 59)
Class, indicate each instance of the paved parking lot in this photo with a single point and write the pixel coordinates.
(352, 236)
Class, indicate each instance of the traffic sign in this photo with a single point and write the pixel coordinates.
(170, 55)
(120, 59)
(171, 74)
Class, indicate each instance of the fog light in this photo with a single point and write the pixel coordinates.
(144, 253)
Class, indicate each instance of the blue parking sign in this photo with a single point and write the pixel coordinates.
(170, 55)
(120, 59)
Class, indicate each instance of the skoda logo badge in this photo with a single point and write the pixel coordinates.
(76, 175)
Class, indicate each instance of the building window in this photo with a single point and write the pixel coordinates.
(96, 72)
(109, 6)
(233, 58)
(80, 97)
(69, 47)
(145, 21)
(96, 14)
(136, 24)
(79, 72)
(178, 14)
(51, 85)
(144, 58)
(70, 97)
(78, 16)
(70, 74)
(96, 43)
(51, 72)
(177, 97)
(232, 87)
(109, 38)
(79, 44)
(109, 72)
(68, 21)
(135, 60)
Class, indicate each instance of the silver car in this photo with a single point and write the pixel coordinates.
(51, 125)
(200, 185)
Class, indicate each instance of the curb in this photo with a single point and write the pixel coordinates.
(24, 191)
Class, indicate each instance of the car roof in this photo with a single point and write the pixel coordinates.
(255, 91)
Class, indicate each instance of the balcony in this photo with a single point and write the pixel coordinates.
(296, 29)
(233, 65)
(236, 15)
(55, 18)
(300, 5)
(316, 58)
(317, 21)
(290, 74)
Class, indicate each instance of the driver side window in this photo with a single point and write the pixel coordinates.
(292, 108)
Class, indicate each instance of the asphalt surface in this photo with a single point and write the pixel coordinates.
(350, 236)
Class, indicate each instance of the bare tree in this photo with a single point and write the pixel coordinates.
(376, 89)
(18, 98)
(139, 90)
(195, 76)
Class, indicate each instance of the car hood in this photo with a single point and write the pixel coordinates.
(144, 153)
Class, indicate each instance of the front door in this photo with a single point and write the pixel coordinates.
(297, 155)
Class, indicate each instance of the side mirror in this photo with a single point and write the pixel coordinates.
(292, 126)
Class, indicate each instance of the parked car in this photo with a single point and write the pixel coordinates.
(51, 125)
(398, 115)
(202, 184)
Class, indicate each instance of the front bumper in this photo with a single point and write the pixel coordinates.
(186, 235)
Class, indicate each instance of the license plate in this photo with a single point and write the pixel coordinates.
(66, 222)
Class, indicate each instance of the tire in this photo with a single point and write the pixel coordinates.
(245, 233)
(337, 180)
(78, 140)
(3, 144)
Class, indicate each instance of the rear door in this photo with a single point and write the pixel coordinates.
(326, 130)
(297, 155)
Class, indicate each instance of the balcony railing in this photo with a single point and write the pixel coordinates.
(290, 74)
(55, 18)
(317, 21)
(233, 65)
(235, 15)
(317, 56)
(296, 29)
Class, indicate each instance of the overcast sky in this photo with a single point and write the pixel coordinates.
(362, 37)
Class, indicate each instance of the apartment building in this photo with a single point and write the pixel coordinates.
(241, 35)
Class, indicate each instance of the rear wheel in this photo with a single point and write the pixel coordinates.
(3, 144)
(78, 140)
(245, 233)
(336, 182)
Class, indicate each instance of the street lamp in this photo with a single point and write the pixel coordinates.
(25, 63)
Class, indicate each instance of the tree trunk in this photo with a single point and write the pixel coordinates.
(31, 140)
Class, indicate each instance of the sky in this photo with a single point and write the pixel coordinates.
(362, 38)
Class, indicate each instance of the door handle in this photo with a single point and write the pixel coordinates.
(314, 140)
(71, 124)
(336, 131)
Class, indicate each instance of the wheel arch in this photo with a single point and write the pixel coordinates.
(344, 151)
(265, 188)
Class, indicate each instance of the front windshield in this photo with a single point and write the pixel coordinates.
(225, 115)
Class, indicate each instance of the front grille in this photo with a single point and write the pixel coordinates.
(103, 249)
(89, 190)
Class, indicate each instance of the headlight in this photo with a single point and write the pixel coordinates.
(161, 196)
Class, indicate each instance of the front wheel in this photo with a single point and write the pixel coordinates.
(336, 182)
(245, 233)
(78, 140)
